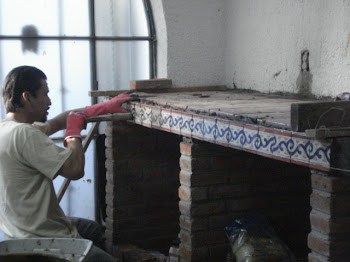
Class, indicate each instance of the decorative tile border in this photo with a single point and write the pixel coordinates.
(273, 143)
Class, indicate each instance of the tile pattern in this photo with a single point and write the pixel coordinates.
(269, 142)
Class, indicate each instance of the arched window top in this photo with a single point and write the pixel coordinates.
(112, 18)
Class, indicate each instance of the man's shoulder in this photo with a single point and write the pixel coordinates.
(14, 127)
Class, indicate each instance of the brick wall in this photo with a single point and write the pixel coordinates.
(160, 186)
(330, 218)
(219, 184)
(142, 182)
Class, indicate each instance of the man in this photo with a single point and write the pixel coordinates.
(30, 160)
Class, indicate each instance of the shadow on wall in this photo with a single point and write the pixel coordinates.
(304, 80)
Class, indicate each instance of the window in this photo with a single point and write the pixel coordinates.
(81, 45)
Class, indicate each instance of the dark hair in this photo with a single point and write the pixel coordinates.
(18, 80)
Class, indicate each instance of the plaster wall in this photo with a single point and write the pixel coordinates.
(254, 44)
(190, 41)
(265, 40)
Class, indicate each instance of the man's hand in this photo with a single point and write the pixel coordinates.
(109, 107)
(76, 121)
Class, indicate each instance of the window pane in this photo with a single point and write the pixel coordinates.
(44, 17)
(120, 62)
(47, 59)
(120, 18)
(68, 74)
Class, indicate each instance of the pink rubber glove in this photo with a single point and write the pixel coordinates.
(109, 107)
(76, 121)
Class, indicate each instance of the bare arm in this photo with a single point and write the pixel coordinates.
(73, 168)
(60, 121)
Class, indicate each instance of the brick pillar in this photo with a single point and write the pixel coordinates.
(329, 239)
(202, 218)
(142, 182)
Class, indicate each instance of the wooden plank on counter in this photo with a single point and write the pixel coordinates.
(313, 115)
(160, 83)
(324, 133)
(112, 93)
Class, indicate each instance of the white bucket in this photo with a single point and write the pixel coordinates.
(65, 248)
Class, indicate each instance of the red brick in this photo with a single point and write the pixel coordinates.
(188, 163)
(185, 178)
(195, 179)
(333, 204)
(314, 257)
(202, 238)
(320, 243)
(191, 209)
(193, 193)
(334, 248)
(194, 224)
(185, 163)
(186, 149)
(193, 254)
(207, 149)
(322, 182)
(324, 223)
(109, 235)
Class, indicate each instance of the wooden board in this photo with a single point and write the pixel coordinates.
(113, 93)
(325, 133)
(160, 83)
(313, 115)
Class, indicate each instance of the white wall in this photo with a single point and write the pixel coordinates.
(255, 44)
(190, 41)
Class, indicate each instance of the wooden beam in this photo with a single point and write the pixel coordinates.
(110, 117)
(113, 93)
(314, 115)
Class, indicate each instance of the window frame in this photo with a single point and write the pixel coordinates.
(93, 39)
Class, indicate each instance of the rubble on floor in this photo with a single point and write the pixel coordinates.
(131, 253)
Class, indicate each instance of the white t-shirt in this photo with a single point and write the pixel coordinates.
(29, 161)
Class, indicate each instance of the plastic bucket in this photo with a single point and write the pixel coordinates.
(61, 249)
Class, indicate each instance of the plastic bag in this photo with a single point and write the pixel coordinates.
(252, 239)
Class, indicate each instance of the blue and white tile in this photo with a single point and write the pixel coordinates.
(223, 132)
(252, 137)
(319, 153)
(177, 121)
(197, 131)
(138, 113)
(236, 135)
(165, 120)
(283, 144)
(187, 125)
(156, 117)
(147, 119)
(299, 148)
(267, 141)
(209, 129)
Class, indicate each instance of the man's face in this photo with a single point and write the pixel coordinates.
(41, 103)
